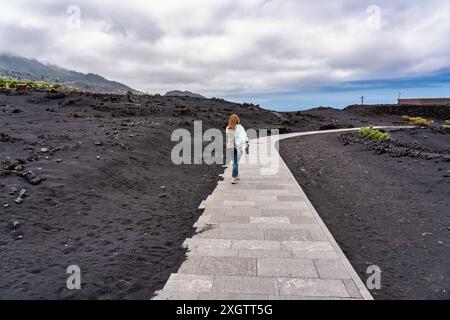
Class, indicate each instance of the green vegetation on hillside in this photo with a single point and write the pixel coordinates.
(373, 134)
(446, 125)
(28, 85)
(418, 121)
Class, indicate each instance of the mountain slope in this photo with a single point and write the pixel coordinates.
(31, 69)
(178, 93)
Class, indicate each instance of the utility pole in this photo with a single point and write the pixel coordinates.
(362, 100)
(399, 95)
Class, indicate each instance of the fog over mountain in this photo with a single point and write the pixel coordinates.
(30, 69)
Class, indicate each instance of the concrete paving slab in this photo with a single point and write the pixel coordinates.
(294, 235)
(241, 234)
(232, 266)
(302, 220)
(229, 219)
(310, 249)
(264, 253)
(286, 213)
(312, 287)
(245, 285)
(290, 268)
(231, 296)
(176, 295)
(352, 289)
(270, 220)
(243, 212)
(189, 283)
(201, 244)
(190, 265)
(256, 245)
(331, 269)
(289, 226)
(212, 252)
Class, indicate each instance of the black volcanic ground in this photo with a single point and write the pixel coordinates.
(102, 192)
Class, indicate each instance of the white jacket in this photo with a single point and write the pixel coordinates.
(240, 137)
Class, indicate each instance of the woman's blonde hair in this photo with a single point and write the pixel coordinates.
(233, 121)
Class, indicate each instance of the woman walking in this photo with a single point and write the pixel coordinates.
(236, 140)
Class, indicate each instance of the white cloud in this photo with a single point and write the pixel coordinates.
(232, 46)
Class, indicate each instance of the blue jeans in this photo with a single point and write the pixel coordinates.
(235, 156)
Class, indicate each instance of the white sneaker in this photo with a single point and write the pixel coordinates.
(233, 181)
(238, 178)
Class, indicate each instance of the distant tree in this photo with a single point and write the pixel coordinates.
(130, 95)
(13, 84)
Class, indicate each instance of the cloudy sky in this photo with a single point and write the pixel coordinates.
(280, 53)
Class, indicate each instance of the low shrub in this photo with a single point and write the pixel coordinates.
(446, 125)
(12, 84)
(418, 121)
(33, 85)
(373, 134)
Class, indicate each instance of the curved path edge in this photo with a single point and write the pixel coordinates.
(262, 239)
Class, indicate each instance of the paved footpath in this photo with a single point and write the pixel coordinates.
(262, 239)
